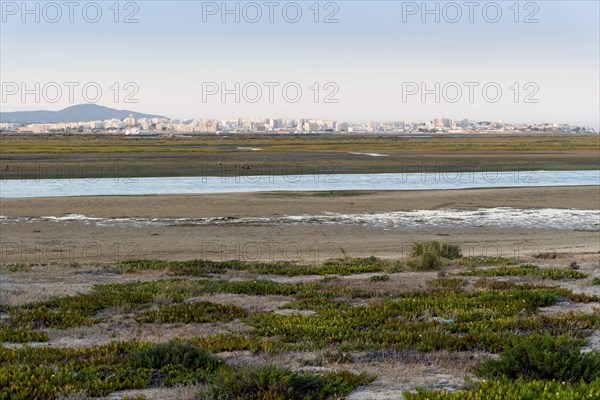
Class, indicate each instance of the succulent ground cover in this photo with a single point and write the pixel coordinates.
(339, 310)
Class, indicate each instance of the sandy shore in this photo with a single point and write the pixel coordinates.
(74, 241)
(294, 203)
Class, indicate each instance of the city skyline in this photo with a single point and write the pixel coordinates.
(371, 54)
(137, 125)
(442, 121)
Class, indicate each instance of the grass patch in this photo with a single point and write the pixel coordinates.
(49, 373)
(529, 270)
(82, 309)
(477, 261)
(515, 390)
(199, 312)
(344, 266)
(18, 267)
(52, 373)
(21, 335)
(480, 320)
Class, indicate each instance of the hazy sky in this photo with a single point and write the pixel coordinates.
(369, 56)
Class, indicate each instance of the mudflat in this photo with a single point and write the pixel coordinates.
(87, 241)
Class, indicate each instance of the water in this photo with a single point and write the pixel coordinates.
(19, 188)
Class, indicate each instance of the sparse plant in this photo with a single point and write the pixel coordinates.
(379, 278)
(432, 255)
(573, 265)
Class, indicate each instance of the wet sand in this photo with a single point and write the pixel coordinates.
(77, 241)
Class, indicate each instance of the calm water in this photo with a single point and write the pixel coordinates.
(266, 183)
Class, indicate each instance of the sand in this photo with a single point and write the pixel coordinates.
(65, 242)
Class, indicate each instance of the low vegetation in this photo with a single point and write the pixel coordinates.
(50, 373)
(544, 357)
(478, 261)
(529, 270)
(200, 312)
(273, 382)
(344, 266)
(536, 367)
(379, 278)
(432, 255)
(516, 390)
(333, 317)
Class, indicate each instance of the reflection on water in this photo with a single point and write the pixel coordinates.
(312, 182)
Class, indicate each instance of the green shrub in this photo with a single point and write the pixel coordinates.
(544, 357)
(426, 261)
(276, 383)
(596, 281)
(445, 250)
(174, 352)
(432, 255)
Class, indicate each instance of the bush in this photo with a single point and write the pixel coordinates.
(184, 354)
(431, 255)
(276, 383)
(544, 357)
(445, 250)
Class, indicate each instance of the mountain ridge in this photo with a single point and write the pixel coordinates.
(76, 113)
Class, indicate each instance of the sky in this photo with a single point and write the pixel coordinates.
(520, 62)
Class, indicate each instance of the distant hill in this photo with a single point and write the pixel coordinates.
(78, 113)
